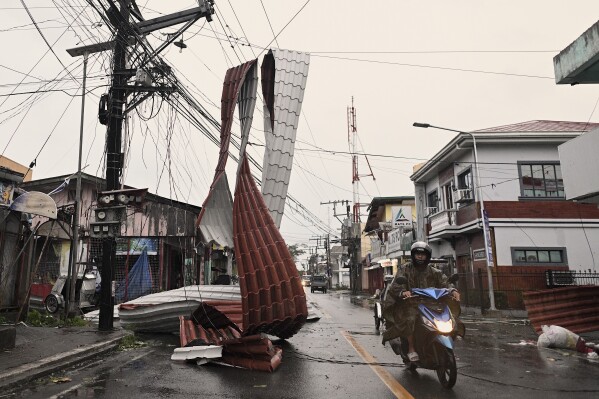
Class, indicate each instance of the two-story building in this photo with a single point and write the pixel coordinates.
(389, 228)
(532, 226)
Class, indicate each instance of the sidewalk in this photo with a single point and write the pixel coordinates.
(40, 351)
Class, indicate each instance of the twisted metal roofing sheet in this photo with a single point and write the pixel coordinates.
(273, 299)
(284, 75)
(215, 221)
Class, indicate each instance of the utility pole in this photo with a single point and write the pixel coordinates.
(108, 219)
(352, 138)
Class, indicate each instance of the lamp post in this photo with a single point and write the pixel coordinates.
(486, 236)
(84, 51)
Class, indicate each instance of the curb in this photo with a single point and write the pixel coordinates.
(43, 367)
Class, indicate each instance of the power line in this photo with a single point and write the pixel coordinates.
(433, 67)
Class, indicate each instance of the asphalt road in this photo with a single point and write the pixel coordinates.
(337, 357)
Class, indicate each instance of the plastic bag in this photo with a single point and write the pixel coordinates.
(557, 337)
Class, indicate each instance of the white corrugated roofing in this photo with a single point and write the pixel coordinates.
(217, 222)
(291, 73)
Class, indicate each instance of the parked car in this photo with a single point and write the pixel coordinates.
(306, 281)
(319, 283)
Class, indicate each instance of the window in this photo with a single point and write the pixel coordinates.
(539, 256)
(447, 196)
(541, 180)
(432, 201)
(465, 180)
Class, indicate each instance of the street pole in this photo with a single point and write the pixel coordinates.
(114, 162)
(479, 192)
(73, 269)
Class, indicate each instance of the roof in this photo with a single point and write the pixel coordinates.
(539, 131)
(541, 126)
(51, 183)
(375, 215)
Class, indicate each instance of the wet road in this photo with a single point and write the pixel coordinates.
(333, 358)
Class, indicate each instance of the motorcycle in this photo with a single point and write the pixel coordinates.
(379, 320)
(435, 330)
(86, 291)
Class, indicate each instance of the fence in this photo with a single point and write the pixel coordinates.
(509, 287)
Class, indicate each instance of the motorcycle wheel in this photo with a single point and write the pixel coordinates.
(447, 371)
(51, 304)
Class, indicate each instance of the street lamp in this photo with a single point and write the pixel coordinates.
(84, 51)
(486, 236)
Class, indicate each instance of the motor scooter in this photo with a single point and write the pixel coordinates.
(86, 291)
(435, 330)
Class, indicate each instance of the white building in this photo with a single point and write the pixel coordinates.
(532, 224)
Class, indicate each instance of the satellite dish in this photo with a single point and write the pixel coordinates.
(35, 203)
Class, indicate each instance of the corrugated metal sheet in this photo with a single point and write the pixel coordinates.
(214, 220)
(273, 298)
(541, 126)
(255, 352)
(575, 308)
(160, 312)
(284, 75)
(247, 104)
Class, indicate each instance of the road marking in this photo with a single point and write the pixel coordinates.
(395, 387)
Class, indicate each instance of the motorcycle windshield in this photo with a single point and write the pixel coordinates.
(444, 315)
(434, 293)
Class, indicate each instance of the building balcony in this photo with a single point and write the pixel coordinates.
(450, 222)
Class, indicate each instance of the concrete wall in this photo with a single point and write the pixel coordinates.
(579, 255)
(580, 164)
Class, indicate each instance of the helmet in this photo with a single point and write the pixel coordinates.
(421, 247)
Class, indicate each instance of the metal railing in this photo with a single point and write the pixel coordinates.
(509, 287)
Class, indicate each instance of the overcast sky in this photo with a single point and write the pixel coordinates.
(464, 65)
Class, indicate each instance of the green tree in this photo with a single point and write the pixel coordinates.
(295, 251)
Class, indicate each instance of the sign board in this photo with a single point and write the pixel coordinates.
(402, 216)
(479, 254)
(488, 242)
(6, 193)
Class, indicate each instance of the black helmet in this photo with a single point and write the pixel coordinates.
(421, 247)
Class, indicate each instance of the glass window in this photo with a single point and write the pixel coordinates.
(538, 256)
(465, 180)
(556, 256)
(433, 199)
(541, 180)
(543, 256)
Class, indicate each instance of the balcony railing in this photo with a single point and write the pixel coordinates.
(442, 219)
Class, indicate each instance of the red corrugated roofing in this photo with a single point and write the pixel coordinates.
(273, 299)
(234, 79)
(574, 308)
(541, 126)
(255, 352)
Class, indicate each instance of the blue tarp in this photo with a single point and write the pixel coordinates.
(138, 282)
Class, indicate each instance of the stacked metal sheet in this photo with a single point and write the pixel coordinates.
(160, 312)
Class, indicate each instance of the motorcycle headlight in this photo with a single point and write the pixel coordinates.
(444, 326)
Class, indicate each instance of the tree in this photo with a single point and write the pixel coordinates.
(295, 251)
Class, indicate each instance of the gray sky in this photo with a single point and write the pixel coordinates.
(461, 64)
